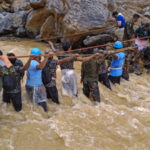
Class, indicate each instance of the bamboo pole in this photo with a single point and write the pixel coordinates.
(59, 54)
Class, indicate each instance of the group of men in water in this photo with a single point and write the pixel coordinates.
(41, 75)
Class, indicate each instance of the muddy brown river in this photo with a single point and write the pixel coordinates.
(120, 122)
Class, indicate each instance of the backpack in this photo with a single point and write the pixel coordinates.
(9, 82)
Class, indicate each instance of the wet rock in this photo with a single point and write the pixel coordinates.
(37, 3)
(20, 32)
(147, 14)
(9, 22)
(92, 40)
(48, 28)
(35, 20)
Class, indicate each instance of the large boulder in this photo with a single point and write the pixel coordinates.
(9, 22)
(48, 28)
(74, 16)
(93, 40)
(35, 20)
(37, 3)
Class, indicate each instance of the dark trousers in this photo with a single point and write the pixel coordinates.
(92, 87)
(52, 93)
(114, 80)
(43, 105)
(15, 98)
(103, 78)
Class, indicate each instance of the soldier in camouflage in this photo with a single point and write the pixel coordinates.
(6, 68)
(90, 77)
(129, 33)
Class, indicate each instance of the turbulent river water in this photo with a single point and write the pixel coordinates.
(120, 122)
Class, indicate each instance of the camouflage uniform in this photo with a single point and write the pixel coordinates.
(138, 64)
(129, 30)
(90, 76)
(128, 34)
(6, 71)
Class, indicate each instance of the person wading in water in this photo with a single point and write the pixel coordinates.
(12, 84)
(69, 79)
(34, 85)
(117, 64)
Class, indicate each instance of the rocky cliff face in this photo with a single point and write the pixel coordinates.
(45, 18)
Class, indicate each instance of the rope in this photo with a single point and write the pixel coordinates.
(107, 52)
(98, 46)
(81, 33)
(81, 49)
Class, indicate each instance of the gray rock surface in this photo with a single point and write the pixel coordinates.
(9, 22)
(47, 18)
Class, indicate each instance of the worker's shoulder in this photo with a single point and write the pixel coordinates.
(129, 22)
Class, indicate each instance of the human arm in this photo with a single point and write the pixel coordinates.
(5, 59)
(52, 46)
(85, 59)
(42, 64)
(61, 61)
(26, 66)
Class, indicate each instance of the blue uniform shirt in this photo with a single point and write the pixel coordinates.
(116, 65)
(34, 76)
(122, 19)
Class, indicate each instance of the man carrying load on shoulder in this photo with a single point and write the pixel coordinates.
(129, 33)
(12, 83)
(34, 85)
(69, 79)
(6, 68)
(90, 76)
(49, 75)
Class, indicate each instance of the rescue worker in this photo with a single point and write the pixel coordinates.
(90, 77)
(6, 68)
(34, 85)
(116, 67)
(120, 20)
(69, 79)
(49, 75)
(12, 84)
(103, 77)
(103, 72)
(129, 33)
(141, 32)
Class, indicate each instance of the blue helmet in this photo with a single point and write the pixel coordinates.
(36, 51)
(118, 45)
